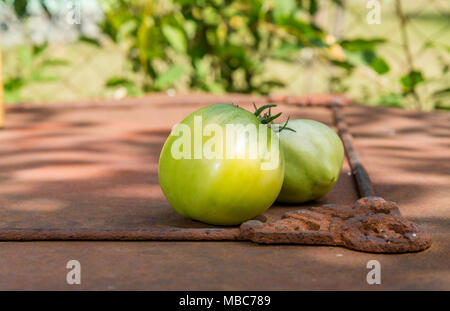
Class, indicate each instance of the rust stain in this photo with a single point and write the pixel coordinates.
(372, 225)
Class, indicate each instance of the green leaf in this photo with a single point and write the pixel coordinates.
(39, 75)
(13, 84)
(176, 38)
(410, 80)
(343, 64)
(442, 107)
(215, 87)
(127, 29)
(38, 49)
(286, 50)
(20, 7)
(210, 15)
(25, 57)
(338, 2)
(361, 44)
(55, 62)
(390, 100)
(12, 96)
(266, 86)
(90, 40)
(129, 85)
(442, 100)
(200, 69)
(442, 92)
(149, 42)
(313, 7)
(168, 78)
(368, 56)
(118, 81)
(379, 65)
(317, 42)
(283, 10)
(302, 30)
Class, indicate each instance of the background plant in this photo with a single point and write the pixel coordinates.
(255, 46)
(222, 46)
(32, 68)
(32, 65)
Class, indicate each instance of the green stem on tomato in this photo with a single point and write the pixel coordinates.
(268, 118)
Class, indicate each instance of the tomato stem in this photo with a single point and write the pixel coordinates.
(268, 118)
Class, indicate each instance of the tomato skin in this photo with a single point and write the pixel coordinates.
(219, 191)
(314, 154)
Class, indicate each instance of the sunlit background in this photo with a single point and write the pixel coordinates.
(55, 52)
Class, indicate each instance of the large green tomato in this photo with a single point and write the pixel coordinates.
(209, 184)
(313, 158)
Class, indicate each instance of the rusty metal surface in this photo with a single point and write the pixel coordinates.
(90, 168)
(97, 168)
(362, 179)
(371, 225)
(156, 234)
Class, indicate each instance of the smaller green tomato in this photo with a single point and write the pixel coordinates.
(313, 160)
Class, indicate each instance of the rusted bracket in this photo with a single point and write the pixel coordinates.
(371, 225)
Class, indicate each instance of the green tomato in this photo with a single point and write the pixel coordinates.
(208, 184)
(313, 158)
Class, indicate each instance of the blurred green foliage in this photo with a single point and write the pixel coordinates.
(229, 46)
(222, 45)
(33, 67)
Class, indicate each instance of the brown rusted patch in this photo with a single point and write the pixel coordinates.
(153, 234)
(371, 225)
